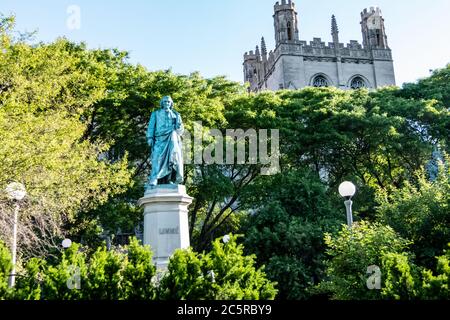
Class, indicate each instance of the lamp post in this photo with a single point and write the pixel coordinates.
(347, 190)
(15, 191)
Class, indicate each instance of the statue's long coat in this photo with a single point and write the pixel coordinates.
(165, 129)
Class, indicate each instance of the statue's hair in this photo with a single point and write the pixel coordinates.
(168, 97)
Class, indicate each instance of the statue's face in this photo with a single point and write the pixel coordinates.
(166, 103)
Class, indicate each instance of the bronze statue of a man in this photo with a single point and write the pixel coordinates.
(164, 138)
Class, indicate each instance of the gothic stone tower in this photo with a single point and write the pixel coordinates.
(372, 26)
(295, 64)
(285, 22)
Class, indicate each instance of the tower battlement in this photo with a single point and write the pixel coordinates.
(368, 12)
(289, 5)
(250, 56)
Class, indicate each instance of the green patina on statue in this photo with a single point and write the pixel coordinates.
(164, 138)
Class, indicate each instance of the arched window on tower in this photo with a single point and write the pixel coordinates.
(358, 83)
(289, 31)
(320, 82)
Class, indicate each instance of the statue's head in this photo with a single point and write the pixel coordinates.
(166, 103)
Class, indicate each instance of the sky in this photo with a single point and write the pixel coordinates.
(211, 36)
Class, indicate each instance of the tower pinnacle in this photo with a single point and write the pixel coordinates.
(263, 46)
(334, 29)
(258, 54)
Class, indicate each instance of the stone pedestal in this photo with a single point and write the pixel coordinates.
(166, 226)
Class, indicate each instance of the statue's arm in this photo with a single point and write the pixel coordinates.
(151, 130)
(180, 126)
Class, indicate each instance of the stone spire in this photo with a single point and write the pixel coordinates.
(263, 49)
(258, 54)
(334, 30)
(263, 46)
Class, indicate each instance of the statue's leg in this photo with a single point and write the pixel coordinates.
(178, 178)
(173, 177)
(152, 179)
(151, 182)
(167, 179)
(163, 180)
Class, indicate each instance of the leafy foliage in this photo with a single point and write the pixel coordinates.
(138, 273)
(129, 274)
(5, 269)
(400, 277)
(351, 253)
(436, 87)
(286, 233)
(404, 280)
(437, 285)
(45, 93)
(105, 275)
(28, 283)
(224, 273)
(64, 280)
(420, 212)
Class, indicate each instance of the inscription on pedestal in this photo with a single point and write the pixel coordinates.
(169, 230)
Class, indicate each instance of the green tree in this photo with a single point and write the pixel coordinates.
(286, 233)
(351, 253)
(435, 92)
(420, 212)
(435, 87)
(61, 174)
(65, 280)
(106, 102)
(104, 278)
(371, 138)
(138, 273)
(5, 270)
(46, 93)
(400, 277)
(120, 274)
(403, 279)
(224, 273)
(437, 285)
(376, 139)
(28, 283)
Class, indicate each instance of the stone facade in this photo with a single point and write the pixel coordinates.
(295, 64)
